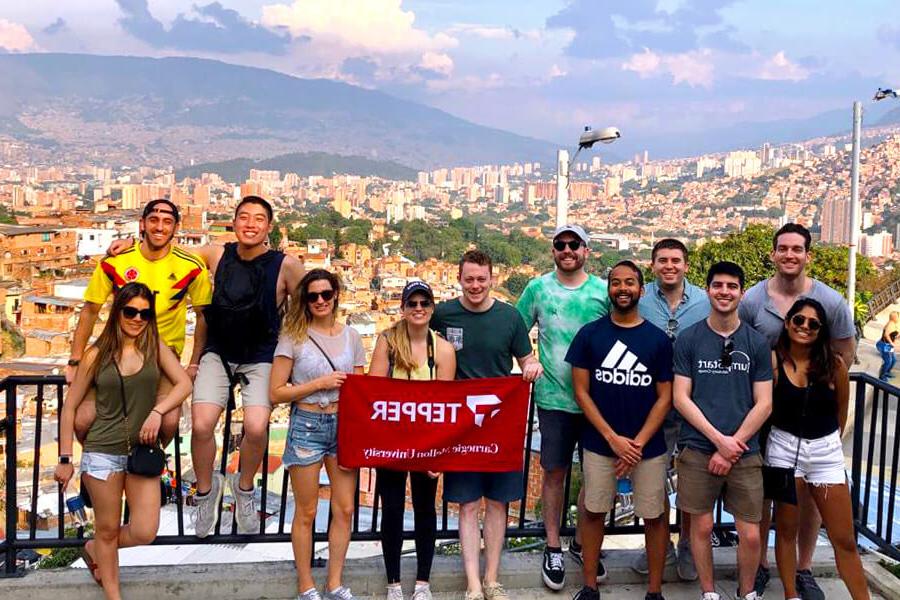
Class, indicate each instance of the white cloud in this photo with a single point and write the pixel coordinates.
(695, 68)
(779, 67)
(14, 37)
(645, 64)
(494, 32)
(372, 26)
(437, 62)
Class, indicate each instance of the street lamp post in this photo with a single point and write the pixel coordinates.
(588, 138)
(855, 208)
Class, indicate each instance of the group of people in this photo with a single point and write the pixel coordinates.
(615, 357)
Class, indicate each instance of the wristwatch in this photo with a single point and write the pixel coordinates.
(73, 362)
(65, 460)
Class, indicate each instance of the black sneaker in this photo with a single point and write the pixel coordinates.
(586, 593)
(654, 596)
(761, 581)
(576, 554)
(553, 569)
(807, 586)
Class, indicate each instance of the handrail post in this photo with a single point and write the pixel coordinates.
(859, 417)
(10, 567)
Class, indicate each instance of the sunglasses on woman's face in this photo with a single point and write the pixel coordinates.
(326, 295)
(417, 303)
(810, 323)
(131, 312)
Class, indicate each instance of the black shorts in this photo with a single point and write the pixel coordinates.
(560, 432)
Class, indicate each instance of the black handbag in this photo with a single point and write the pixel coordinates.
(779, 483)
(144, 460)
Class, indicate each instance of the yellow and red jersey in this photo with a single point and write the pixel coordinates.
(171, 279)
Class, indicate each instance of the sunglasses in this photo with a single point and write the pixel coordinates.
(727, 349)
(326, 295)
(560, 245)
(131, 312)
(671, 328)
(809, 322)
(418, 303)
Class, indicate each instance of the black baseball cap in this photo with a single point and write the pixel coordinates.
(151, 207)
(416, 287)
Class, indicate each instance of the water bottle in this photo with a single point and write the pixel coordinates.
(625, 491)
(75, 507)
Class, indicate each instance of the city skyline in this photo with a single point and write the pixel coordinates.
(669, 73)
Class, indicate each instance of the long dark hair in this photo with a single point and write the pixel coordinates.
(298, 316)
(109, 344)
(822, 361)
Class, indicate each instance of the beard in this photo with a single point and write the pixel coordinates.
(153, 246)
(579, 264)
(627, 307)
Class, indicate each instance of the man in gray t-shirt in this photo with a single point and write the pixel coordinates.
(763, 307)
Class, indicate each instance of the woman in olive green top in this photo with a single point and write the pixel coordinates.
(126, 360)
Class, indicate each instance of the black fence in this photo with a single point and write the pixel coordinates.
(874, 502)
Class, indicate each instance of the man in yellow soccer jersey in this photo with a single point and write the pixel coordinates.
(173, 275)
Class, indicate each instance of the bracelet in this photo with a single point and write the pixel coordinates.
(156, 411)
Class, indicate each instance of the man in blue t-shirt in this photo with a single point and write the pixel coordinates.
(622, 376)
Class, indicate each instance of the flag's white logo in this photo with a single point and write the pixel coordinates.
(484, 403)
(622, 367)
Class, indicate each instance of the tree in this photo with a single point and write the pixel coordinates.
(515, 283)
(275, 237)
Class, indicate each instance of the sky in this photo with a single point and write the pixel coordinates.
(543, 68)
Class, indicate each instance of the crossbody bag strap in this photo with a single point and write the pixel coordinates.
(322, 350)
(124, 406)
(430, 354)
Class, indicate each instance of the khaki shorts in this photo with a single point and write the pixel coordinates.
(648, 480)
(698, 489)
(211, 384)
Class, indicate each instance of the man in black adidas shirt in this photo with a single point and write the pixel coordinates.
(622, 376)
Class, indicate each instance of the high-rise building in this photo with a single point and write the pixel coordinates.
(876, 245)
(742, 164)
(835, 220)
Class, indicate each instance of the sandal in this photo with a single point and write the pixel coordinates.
(91, 564)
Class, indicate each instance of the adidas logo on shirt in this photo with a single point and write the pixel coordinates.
(622, 367)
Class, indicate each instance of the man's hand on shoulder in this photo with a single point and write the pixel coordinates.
(119, 246)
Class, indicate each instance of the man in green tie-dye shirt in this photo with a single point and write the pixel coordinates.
(560, 303)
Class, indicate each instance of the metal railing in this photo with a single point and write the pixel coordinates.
(883, 298)
(873, 503)
(875, 462)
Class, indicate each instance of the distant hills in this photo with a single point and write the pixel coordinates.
(301, 163)
(133, 110)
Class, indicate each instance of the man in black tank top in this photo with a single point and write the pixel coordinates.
(251, 283)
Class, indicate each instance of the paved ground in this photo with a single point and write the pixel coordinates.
(834, 590)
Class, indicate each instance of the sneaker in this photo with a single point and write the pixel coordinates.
(576, 554)
(807, 586)
(653, 596)
(310, 594)
(553, 569)
(750, 596)
(394, 592)
(761, 581)
(422, 592)
(586, 593)
(206, 513)
(494, 591)
(474, 595)
(709, 596)
(341, 593)
(244, 507)
(640, 564)
(685, 567)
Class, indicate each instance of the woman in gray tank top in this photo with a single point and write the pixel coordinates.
(123, 367)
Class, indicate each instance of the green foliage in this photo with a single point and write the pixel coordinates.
(275, 237)
(751, 248)
(515, 284)
(330, 225)
(63, 557)
(7, 217)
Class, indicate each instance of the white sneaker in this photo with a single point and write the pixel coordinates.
(422, 592)
(244, 507)
(206, 513)
(750, 596)
(394, 592)
(310, 594)
(709, 596)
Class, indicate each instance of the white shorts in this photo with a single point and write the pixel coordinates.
(100, 465)
(820, 462)
(211, 384)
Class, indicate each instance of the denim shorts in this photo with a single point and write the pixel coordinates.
(311, 437)
(100, 465)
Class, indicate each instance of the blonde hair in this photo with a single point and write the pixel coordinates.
(399, 348)
(298, 317)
